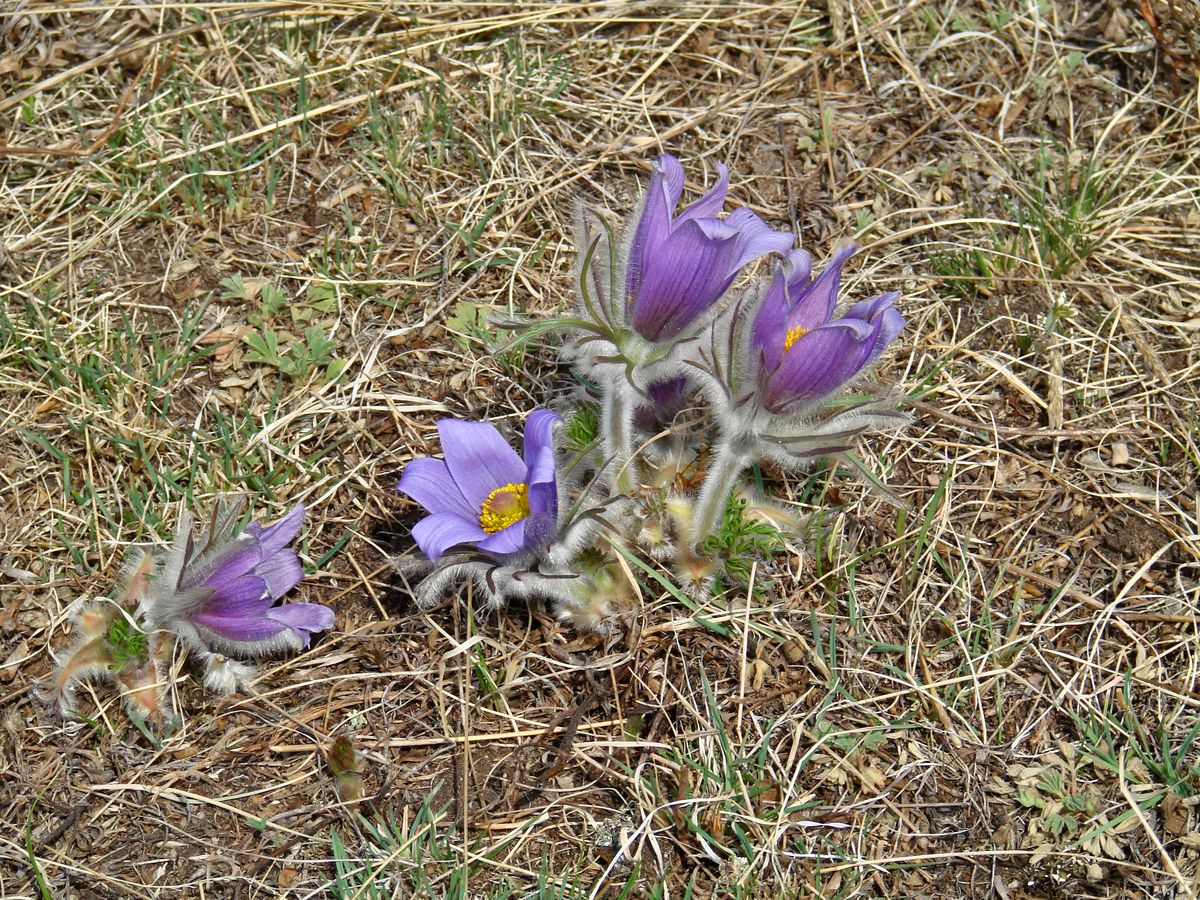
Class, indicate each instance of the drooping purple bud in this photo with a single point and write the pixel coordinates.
(680, 265)
(667, 398)
(217, 589)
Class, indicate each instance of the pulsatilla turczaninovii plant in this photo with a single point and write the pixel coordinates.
(697, 379)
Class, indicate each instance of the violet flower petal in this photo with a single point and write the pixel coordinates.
(679, 266)
(429, 482)
(226, 564)
(818, 364)
(708, 206)
(506, 541)
(693, 268)
(240, 629)
(542, 490)
(303, 618)
(281, 571)
(539, 434)
(755, 237)
(815, 305)
(437, 533)
(879, 310)
(247, 593)
(479, 459)
(654, 220)
(789, 279)
(540, 464)
(667, 397)
(279, 534)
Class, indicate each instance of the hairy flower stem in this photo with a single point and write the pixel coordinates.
(616, 428)
(710, 508)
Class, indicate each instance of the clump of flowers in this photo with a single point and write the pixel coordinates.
(215, 590)
(697, 379)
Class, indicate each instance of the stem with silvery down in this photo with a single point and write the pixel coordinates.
(722, 476)
(616, 428)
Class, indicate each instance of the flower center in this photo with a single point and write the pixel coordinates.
(793, 335)
(504, 506)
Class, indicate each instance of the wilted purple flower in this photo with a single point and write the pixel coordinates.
(680, 265)
(217, 590)
(667, 398)
(483, 493)
(806, 354)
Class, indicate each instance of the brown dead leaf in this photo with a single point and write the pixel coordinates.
(1174, 814)
(48, 405)
(341, 129)
(184, 290)
(225, 340)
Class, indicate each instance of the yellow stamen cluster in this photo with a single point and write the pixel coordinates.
(504, 506)
(793, 335)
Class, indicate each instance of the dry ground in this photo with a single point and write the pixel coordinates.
(993, 693)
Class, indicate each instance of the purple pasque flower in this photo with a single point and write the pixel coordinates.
(483, 493)
(217, 589)
(806, 353)
(667, 398)
(680, 265)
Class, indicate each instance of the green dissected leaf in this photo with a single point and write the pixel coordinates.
(233, 288)
(323, 296)
(1030, 798)
(264, 348)
(320, 347)
(273, 300)
(335, 369)
(126, 643)
(469, 322)
(1056, 824)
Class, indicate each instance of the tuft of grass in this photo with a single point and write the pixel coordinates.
(581, 429)
(742, 540)
(1060, 206)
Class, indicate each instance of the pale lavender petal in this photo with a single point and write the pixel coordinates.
(242, 596)
(507, 540)
(541, 468)
(279, 534)
(539, 433)
(229, 563)
(711, 203)
(429, 482)
(281, 571)
(818, 364)
(816, 304)
(543, 490)
(479, 459)
(439, 532)
(240, 628)
(303, 618)
(756, 238)
(771, 321)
